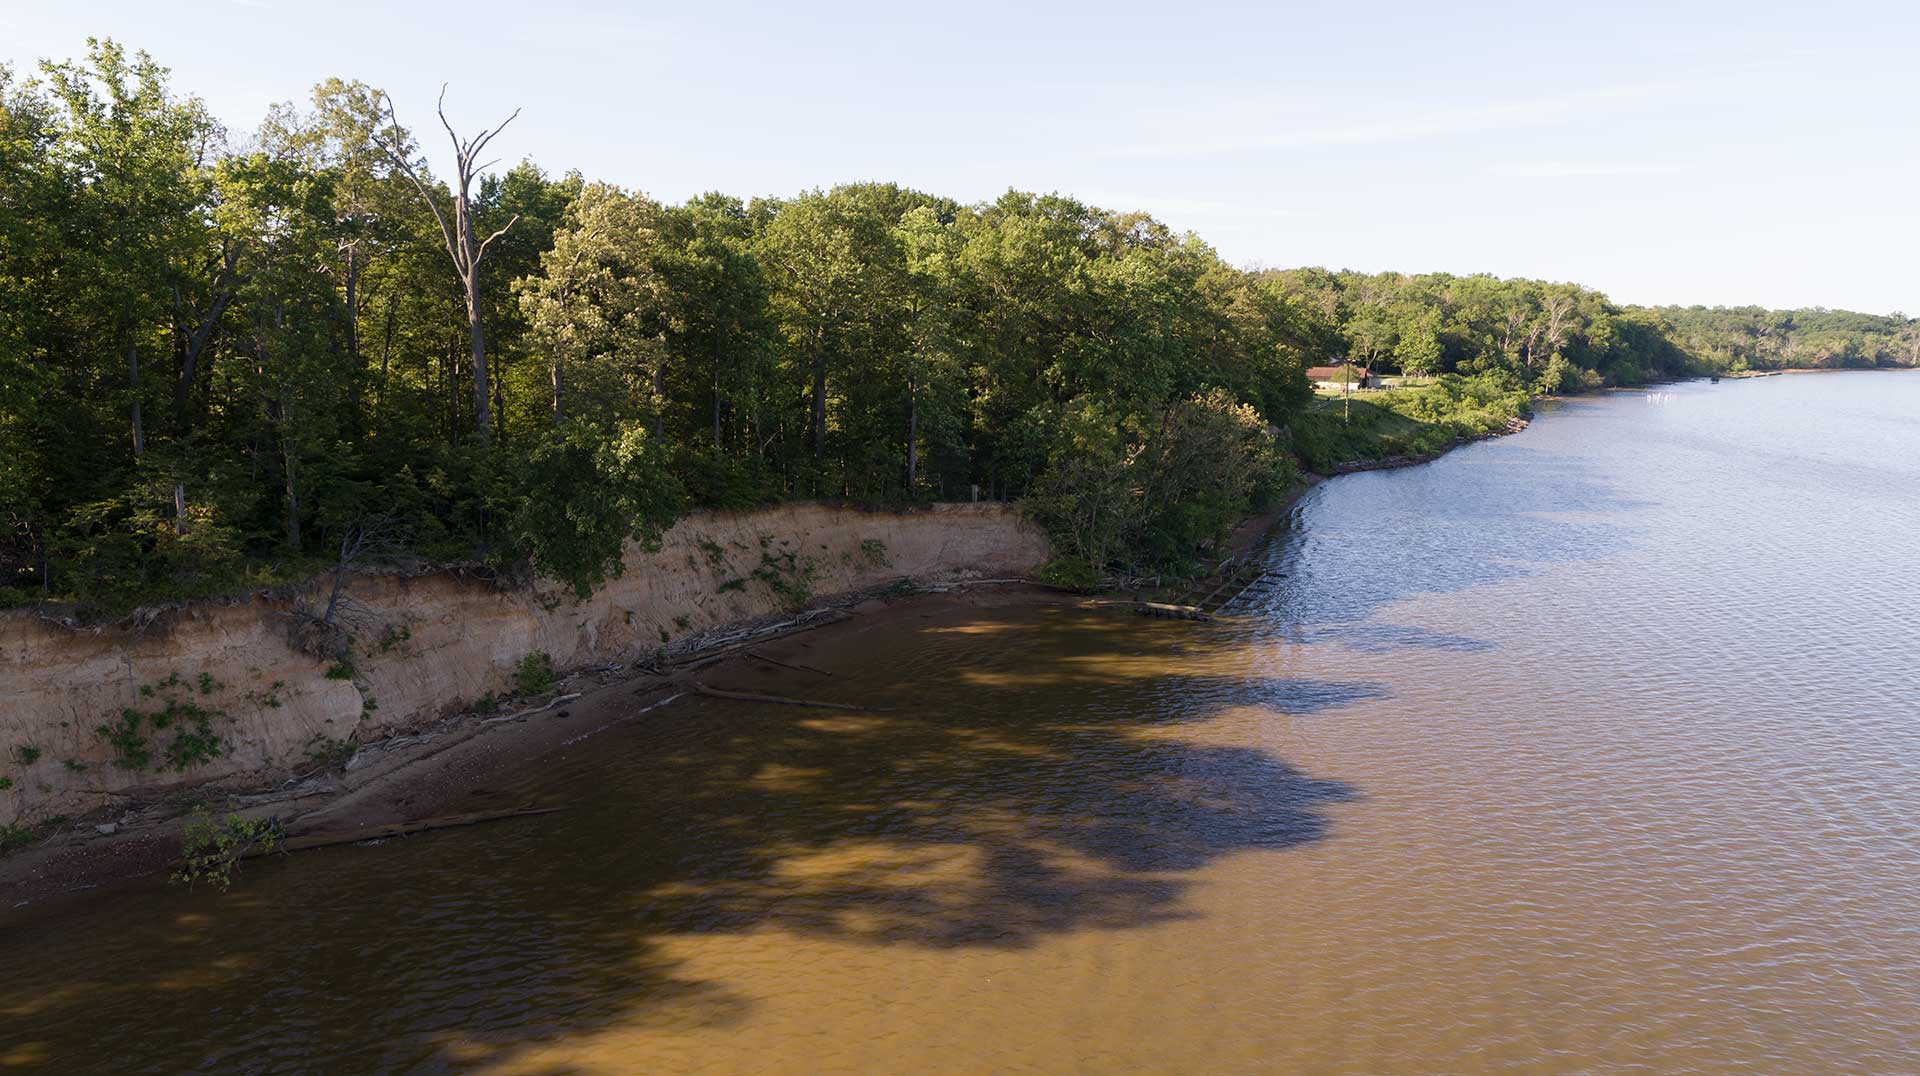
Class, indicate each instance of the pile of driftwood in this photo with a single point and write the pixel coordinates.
(711, 647)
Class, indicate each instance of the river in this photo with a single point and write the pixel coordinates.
(1594, 749)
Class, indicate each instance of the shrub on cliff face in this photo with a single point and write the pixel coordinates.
(582, 491)
(534, 674)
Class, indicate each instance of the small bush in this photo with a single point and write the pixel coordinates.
(26, 754)
(211, 849)
(534, 676)
(393, 636)
(194, 743)
(1073, 573)
(340, 670)
(331, 754)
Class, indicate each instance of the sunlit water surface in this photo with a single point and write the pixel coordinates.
(1594, 749)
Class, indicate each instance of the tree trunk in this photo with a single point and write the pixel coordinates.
(499, 399)
(353, 342)
(482, 422)
(913, 435)
(819, 403)
(133, 381)
(386, 355)
(718, 348)
(453, 388)
(293, 504)
(196, 344)
(659, 395)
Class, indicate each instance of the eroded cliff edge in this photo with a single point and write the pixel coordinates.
(424, 645)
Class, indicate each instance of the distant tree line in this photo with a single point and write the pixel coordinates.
(219, 353)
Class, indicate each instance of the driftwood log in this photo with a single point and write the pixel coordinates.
(748, 696)
(304, 841)
(1171, 612)
(787, 664)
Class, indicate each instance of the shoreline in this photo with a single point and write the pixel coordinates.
(1389, 463)
(418, 774)
(421, 775)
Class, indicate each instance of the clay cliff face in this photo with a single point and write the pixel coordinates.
(423, 646)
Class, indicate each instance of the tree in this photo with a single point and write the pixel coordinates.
(1418, 349)
(462, 247)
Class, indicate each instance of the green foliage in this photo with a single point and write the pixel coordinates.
(268, 699)
(330, 753)
(185, 729)
(1742, 338)
(211, 849)
(583, 493)
(340, 670)
(5, 783)
(788, 575)
(393, 636)
(276, 318)
(1154, 493)
(14, 837)
(128, 740)
(1072, 573)
(26, 754)
(534, 674)
(1406, 422)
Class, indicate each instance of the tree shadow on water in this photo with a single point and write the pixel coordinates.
(1021, 776)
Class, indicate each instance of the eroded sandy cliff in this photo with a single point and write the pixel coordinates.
(424, 645)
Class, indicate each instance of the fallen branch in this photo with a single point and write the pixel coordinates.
(550, 704)
(399, 829)
(787, 664)
(1171, 612)
(748, 696)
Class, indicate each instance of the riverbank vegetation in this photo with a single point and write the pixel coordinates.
(224, 353)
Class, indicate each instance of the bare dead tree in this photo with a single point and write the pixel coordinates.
(466, 252)
(1559, 308)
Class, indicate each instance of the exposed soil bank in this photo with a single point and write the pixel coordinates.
(447, 766)
(424, 647)
(428, 648)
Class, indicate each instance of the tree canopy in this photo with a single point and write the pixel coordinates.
(218, 352)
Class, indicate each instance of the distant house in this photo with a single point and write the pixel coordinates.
(1338, 377)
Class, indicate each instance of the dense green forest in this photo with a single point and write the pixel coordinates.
(228, 359)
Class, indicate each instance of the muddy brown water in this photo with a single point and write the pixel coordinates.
(1590, 750)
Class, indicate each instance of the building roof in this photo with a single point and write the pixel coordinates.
(1334, 373)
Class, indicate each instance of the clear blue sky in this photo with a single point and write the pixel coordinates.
(1674, 152)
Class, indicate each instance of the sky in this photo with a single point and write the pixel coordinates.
(1681, 152)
